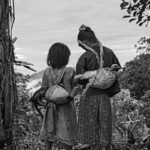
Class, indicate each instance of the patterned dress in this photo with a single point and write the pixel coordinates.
(95, 120)
(59, 122)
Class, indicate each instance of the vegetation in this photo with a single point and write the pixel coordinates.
(128, 122)
(136, 76)
(20, 125)
(26, 122)
(137, 10)
(8, 90)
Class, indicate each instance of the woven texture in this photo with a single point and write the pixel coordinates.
(56, 94)
(104, 78)
(98, 128)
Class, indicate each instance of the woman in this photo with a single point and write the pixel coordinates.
(59, 123)
(95, 121)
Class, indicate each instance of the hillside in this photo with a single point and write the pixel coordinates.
(37, 75)
(35, 81)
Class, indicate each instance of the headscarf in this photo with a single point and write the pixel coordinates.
(86, 34)
(88, 41)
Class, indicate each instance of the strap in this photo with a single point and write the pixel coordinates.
(99, 59)
(57, 77)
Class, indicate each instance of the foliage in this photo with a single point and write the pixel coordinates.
(27, 124)
(137, 10)
(146, 97)
(129, 127)
(24, 64)
(143, 45)
(127, 118)
(136, 76)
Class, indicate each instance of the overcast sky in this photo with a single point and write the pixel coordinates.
(40, 23)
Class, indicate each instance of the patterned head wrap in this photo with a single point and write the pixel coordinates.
(87, 40)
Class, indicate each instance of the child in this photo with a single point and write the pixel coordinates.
(59, 123)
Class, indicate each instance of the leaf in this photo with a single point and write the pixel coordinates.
(126, 16)
(148, 18)
(22, 63)
(143, 8)
(123, 5)
(147, 24)
(140, 24)
(132, 19)
(139, 18)
(29, 68)
(129, 10)
(148, 41)
(134, 13)
(25, 64)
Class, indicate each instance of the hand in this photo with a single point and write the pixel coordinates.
(76, 90)
(86, 75)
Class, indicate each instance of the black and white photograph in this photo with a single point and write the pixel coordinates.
(74, 75)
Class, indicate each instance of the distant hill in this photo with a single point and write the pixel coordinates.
(37, 75)
(35, 81)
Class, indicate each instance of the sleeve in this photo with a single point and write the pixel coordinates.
(87, 62)
(115, 60)
(72, 79)
(81, 68)
(81, 65)
(114, 89)
(44, 80)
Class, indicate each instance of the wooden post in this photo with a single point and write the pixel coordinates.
(7, 81)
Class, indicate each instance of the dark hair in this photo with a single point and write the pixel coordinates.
(58, 55)
(86, 34)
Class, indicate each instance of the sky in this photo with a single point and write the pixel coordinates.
(40, 23)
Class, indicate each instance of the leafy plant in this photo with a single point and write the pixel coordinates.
(136, 76)
(129, 126)
(137, 10)
(143, 45)
(26, 123)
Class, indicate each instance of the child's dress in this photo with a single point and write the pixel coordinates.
(59, 123)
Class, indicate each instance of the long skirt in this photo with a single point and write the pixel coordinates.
(59, 124)
(95, 121)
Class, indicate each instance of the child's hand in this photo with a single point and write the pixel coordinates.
(75, 91)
